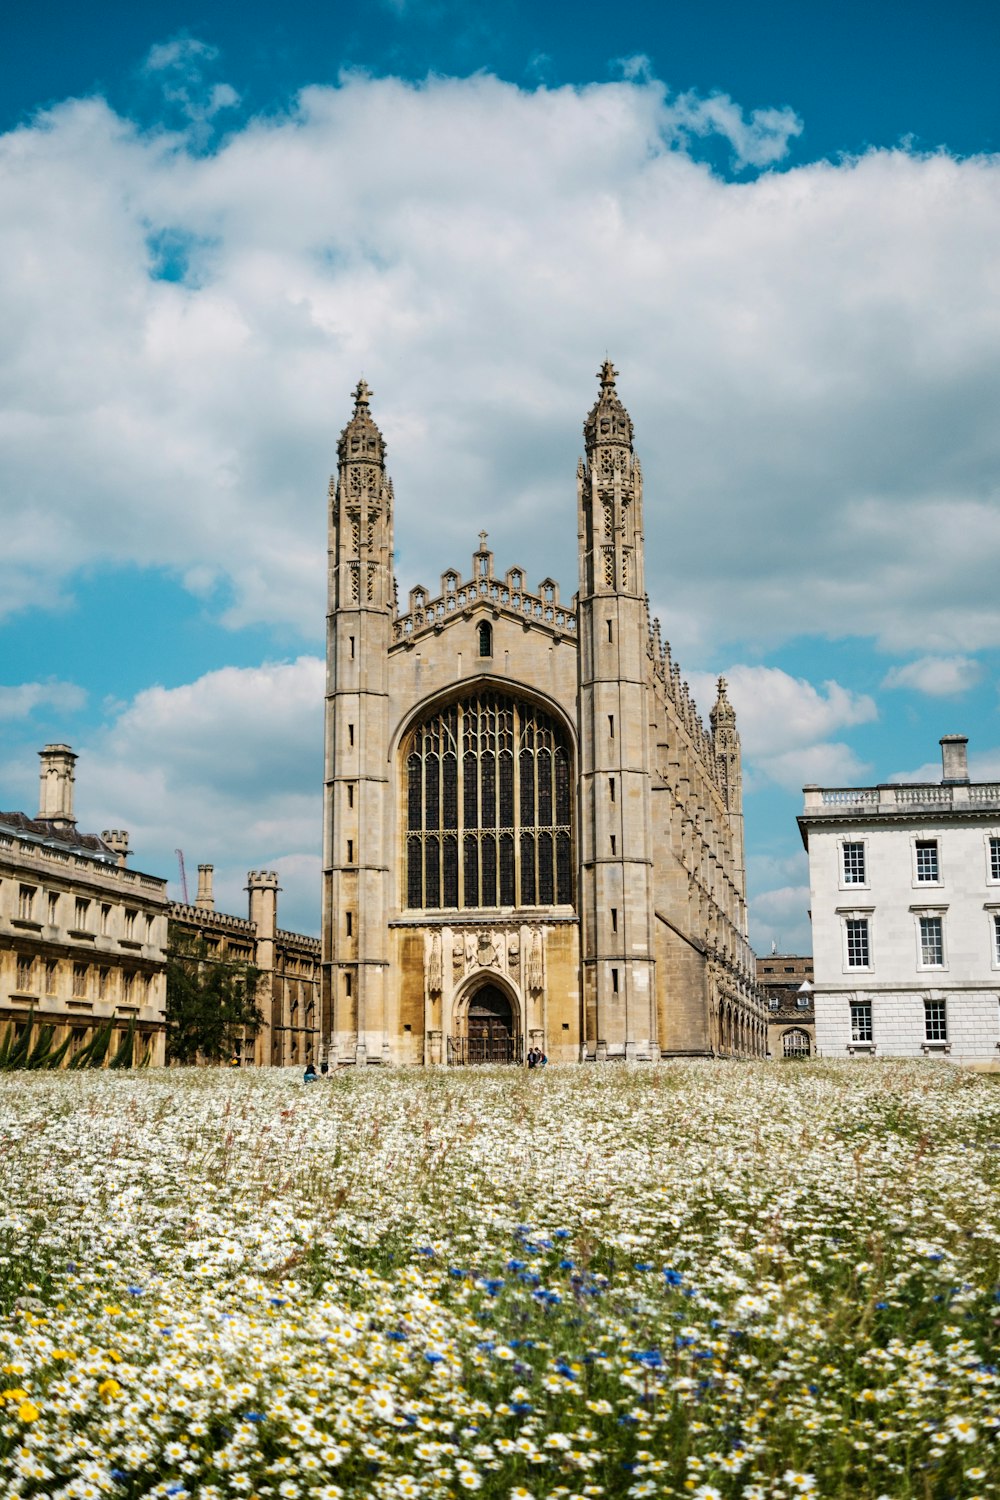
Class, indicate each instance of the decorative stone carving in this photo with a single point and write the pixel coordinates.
(432, 963)
(535, 961)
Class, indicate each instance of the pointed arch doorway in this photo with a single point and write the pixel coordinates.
(491, 1031)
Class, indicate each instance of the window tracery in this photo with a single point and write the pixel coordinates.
(488, 807)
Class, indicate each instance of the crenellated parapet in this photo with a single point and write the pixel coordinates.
(505, 595)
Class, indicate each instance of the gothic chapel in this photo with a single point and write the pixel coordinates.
(530, 837)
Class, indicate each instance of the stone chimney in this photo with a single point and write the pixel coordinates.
(117, 839)
(55, 799)
(205, 899)
(954, 761)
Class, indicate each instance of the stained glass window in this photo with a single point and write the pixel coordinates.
(504, 836)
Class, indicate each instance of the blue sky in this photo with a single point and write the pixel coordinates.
(781, 221)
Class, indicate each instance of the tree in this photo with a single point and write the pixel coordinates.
(211, 1003)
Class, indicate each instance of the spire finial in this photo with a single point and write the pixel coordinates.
(362, 394)
(607, 375)
(482, 540)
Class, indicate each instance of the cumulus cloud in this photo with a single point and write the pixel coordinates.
(759, 141)
(230, 769)
(937, 676)
(811, 357)
(785, 721)
(178, 68)
(781, 916)
(21, 701)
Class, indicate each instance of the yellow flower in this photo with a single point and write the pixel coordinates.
(28, 1411)
(15, 1394)
(109, 1389)
(112, 1310)
(61, 1354)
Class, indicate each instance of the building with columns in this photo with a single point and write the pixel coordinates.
(82, 936)
(287, 964)
(530, 836)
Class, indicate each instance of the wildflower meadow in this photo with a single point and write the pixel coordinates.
(710, 1280)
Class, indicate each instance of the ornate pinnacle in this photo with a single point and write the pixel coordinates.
(607, 375)
(362, 395)
(723, 710)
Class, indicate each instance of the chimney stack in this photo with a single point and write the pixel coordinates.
(55, 800)
(117, 839)
(205, 899)
(954, 761)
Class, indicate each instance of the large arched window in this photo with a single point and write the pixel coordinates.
(488, 807)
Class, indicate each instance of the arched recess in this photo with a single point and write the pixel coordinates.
(795, 1043)
(487, 782)
(487, 1021)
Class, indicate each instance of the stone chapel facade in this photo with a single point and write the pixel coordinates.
(530, 837)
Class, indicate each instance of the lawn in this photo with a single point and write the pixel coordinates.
(738, 1280)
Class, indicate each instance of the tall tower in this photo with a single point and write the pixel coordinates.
(728, 758)
(617, 937)
(361, 595)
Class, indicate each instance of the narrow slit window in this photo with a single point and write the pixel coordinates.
(611, 787)
(350, 924)
(485, 639)
(350, 794)
(352, 647)
(348, 986)
(613, 845)
(350, 851)
(350, 734)
(611, 631)
(614, 981)
(614, 919)
(611, 726)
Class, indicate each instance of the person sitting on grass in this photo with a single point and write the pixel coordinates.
(310, 1073)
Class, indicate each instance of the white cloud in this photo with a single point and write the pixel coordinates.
(784, 723)
(937, 676)
(179, 67)
(810, 357)
(228, 768)
(758, 142)
(21, 701)
(781, 916)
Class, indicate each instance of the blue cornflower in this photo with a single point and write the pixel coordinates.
(516, 1265)
(432, 1357)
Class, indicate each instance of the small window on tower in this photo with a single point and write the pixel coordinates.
(485, 639)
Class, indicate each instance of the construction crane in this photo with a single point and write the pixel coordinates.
(184, 879)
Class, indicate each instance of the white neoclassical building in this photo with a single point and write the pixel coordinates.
(905, 903)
